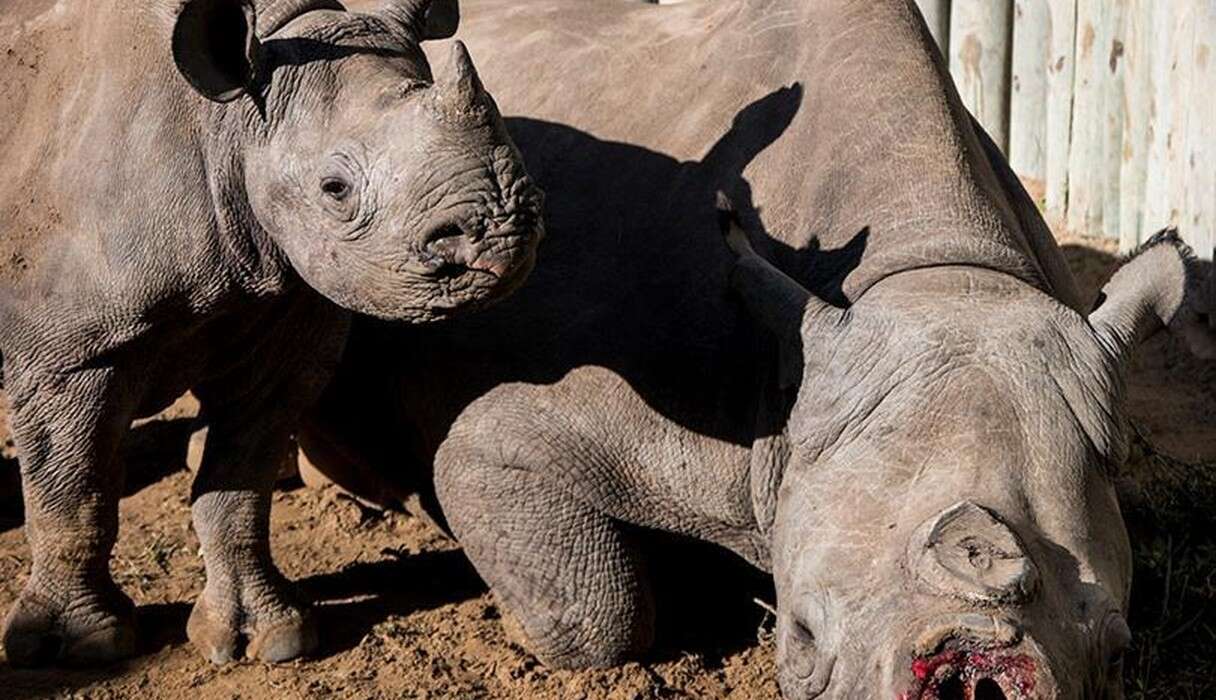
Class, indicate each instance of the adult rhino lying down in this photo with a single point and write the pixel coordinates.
(919, 448)
(166, 227)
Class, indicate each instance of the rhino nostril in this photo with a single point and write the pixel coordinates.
(955, 688)
(988, 689)
(952, 689)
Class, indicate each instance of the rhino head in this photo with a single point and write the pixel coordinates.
(390, 192)
(946, 525)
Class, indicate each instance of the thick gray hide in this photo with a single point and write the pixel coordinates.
(181, 179)
(919, 446)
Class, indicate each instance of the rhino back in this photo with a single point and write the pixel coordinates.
(98, 135)
(867, 149)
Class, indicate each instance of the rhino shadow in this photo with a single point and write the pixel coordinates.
(710, 621)
(352, 601)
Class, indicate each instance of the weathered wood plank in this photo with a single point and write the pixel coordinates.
(1137, 129)
(937, 16)
(1198, 224)
(980, 34)
(1028, 97)
(1086, 152)
(1111, 52)
(1062, 15)
(1171, 51)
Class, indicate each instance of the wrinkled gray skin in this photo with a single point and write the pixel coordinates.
(915, 431)
(181, 180)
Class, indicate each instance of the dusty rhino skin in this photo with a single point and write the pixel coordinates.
(902, 408)
(188, 189)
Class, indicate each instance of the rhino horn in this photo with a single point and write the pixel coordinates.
(967, 552)
(459, 96)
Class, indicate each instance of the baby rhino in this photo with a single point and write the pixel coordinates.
(196, 195)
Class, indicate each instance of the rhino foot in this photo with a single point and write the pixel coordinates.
(224, 631)
(89, 629)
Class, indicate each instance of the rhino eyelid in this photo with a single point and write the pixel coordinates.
(345, 169)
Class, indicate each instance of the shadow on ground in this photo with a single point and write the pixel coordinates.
(712, 621)
(350, 602)
(706, 600)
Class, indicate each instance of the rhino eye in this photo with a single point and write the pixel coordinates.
(335, 188)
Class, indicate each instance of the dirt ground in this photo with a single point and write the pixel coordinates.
(405, 616)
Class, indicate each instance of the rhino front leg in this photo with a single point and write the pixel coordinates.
(562, 569)
(68, 427)
(247, 607)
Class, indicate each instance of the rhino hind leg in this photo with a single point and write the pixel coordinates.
(69, 428)
(566, 575)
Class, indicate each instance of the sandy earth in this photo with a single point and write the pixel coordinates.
(406, 617)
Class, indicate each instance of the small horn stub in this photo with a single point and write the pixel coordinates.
(967, 552)
(459, 96)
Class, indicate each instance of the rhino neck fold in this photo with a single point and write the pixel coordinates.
(944, 250)
(256, 264)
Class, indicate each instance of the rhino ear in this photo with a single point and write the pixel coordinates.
(442, 19)
(425, 19)
(216, 48)
(774, 298)
(1160, 285)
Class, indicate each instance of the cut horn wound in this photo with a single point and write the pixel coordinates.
(967, 552)
(459, 95)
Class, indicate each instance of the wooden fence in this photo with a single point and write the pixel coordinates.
(1109, 104)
